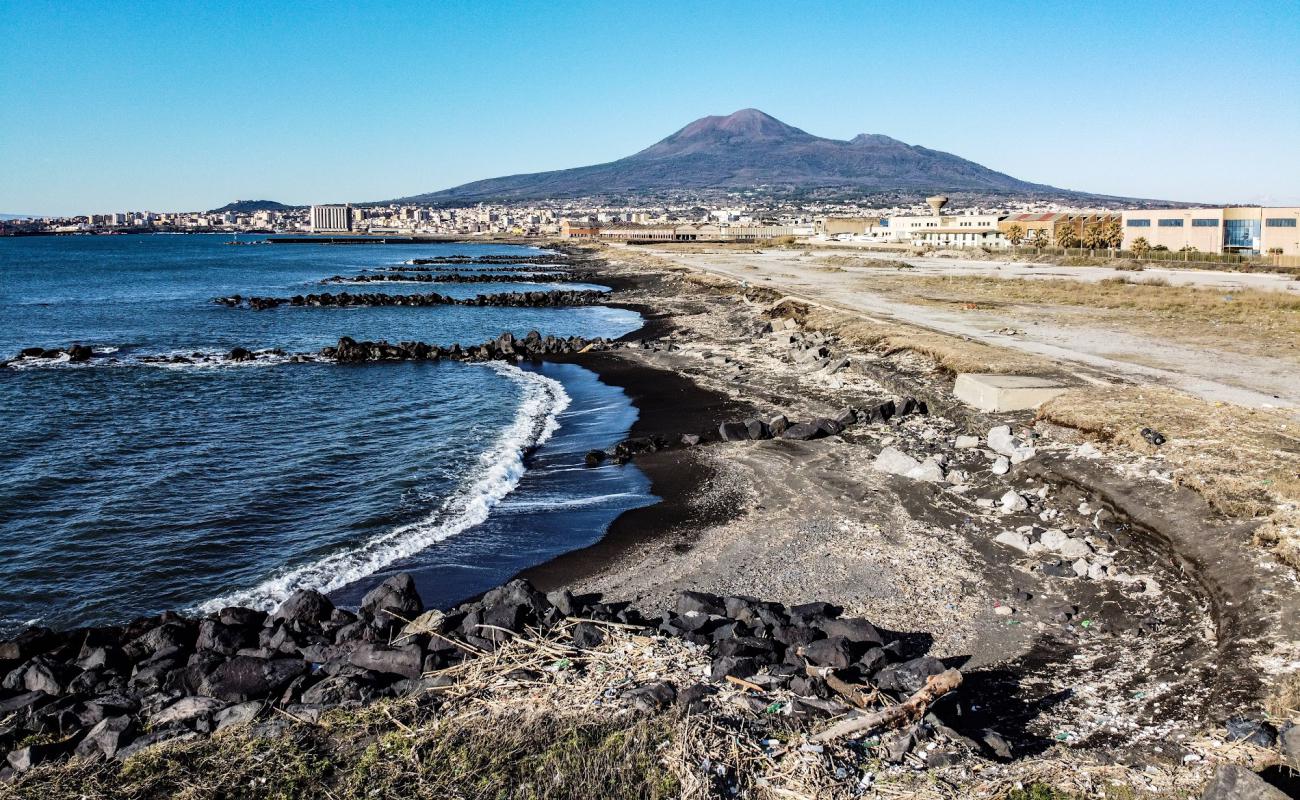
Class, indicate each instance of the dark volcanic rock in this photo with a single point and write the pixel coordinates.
(407, 660)
(855, 630)
(652, 696)
(733, 432)
(244, 678)
(803, 431)
(394, 599)
(107, 737)
(909, 676)
(835, 652)
(305, 605)
(701, 602)
(587, 635)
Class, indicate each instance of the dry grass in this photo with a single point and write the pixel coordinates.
(1274, 315)
(538, 720)
(857, 262)
(950, 353)
(1245, 462)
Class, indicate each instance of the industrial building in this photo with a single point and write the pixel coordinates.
(1246, 231)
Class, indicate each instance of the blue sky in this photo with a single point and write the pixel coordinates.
(114, 106)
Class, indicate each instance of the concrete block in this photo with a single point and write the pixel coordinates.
(1005, 392)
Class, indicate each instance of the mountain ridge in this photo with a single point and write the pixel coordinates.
(249, 206)
(752, 150)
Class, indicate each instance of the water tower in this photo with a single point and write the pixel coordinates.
(936, 203)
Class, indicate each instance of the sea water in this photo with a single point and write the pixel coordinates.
(128, 487)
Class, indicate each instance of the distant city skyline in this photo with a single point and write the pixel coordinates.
(179, 107)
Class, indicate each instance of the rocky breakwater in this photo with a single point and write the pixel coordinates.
(528, 259)
(458, 277)
(554, 299)
(496, 268)
(758, 429)
(505, 347)
(112, 691)
(75, 353)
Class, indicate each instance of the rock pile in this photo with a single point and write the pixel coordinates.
(113, 691)
(349, 300)
(450, 266)
(457, 277)
(779, 427)
(76, 353)
(504, 348)
(531, 259)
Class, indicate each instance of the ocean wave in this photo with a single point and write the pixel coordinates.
(205, 359)
(496, 475)
(520, 506)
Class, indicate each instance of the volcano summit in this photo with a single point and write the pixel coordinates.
(751, 150)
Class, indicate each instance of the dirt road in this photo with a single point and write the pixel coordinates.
(1096, 353)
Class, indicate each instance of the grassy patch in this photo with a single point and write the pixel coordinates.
(950, 353)
(1250, 311)
(516, 755)
(1245, 462)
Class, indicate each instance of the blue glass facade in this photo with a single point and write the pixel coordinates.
(1241, 235)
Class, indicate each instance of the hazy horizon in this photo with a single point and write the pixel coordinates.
(175, 107)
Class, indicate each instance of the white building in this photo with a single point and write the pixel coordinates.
(331, 219)
(963, 230)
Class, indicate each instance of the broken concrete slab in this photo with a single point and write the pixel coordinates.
(1005, 392)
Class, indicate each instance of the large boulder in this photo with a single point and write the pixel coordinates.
(107, 737)
(733, 432)
(909, 676)
(513, 606)
(187, 711)
(803, 431)
(244, 678)
(852, 629)
(1232, 782)
(407, 660)
(393, 600)
(835, 652)
(700, 602)
(305, 605)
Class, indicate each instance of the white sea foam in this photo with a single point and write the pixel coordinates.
(497, 473)
(515, 506)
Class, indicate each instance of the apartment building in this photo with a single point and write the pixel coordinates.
(331, 219)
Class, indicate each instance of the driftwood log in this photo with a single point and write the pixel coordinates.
(911, 709)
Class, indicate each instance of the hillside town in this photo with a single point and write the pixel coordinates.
(1238, 230)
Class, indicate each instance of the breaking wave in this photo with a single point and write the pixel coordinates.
(497, 473)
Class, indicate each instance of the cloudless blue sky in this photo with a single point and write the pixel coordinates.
(166, 106)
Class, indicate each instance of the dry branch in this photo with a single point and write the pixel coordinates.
(912, 708)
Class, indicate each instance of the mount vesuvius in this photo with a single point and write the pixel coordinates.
(752, 150)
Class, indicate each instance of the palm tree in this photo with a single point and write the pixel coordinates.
(1066, 237)
(1140, 246)
(1040, 238)
(1093, 238)
(1113, 234)
(1015, 234)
